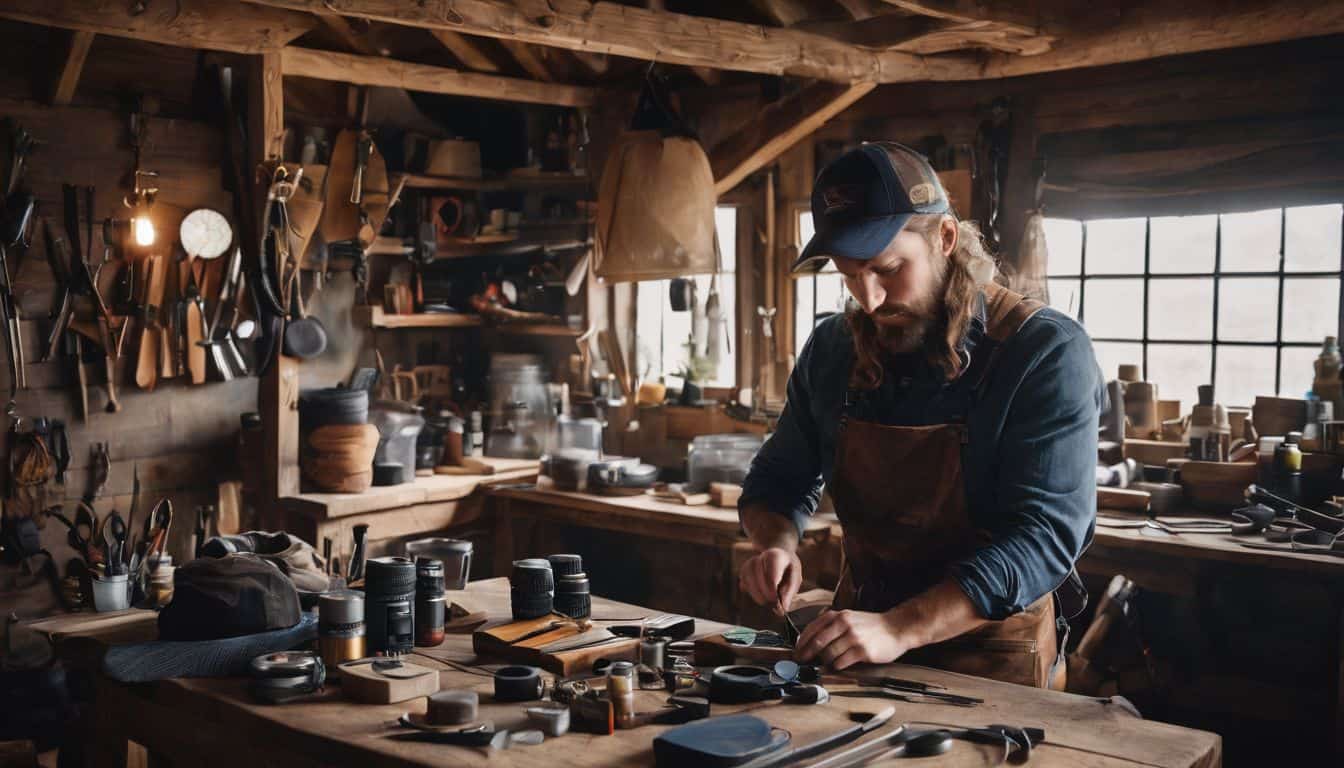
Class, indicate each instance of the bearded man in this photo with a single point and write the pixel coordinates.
(954, 425)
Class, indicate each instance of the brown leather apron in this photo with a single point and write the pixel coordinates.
(900, 497)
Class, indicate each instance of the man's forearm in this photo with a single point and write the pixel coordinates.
(940, 613)
(768, 529)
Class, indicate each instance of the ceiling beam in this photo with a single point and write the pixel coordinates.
(650, 35)
(1018, 17)
(785, 13)
(779, 127)
(339, 27)
(1170, 29)
(367, 70)
(594, 63)
(466, 50)
(206, 24)
(528, 58)
(80, 41)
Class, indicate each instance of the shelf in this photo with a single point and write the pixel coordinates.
(527, 181)
(516, 247)
(373, 316)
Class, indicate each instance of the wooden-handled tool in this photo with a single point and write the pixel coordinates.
(147, 366)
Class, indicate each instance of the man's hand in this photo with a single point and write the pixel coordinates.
(842, 639)
(772, 577)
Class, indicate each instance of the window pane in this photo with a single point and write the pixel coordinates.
(726, 375)
(830, 293)
(1311, 241)
(1311, 308)
(1248, 309)
(650, 303)
(805, 228)
(1114, 309)
(1064, 295)
(1115, 246)
(1243, 373)
(1251, 241)
(1111, 355)
(1178, 369)
(1064, 246)
(1182, 243)
(804, 294)
(1298, 370)
(1180, 309)
(725, 224)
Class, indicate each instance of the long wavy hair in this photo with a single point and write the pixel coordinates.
(964, 272)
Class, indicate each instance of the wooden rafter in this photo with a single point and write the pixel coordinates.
(1171, 29)
(595, 63)
(1012, 16)
(785, 13)
(206, 24)
(80, 41)
(778, 128)
(466, 50)
(674, 38)
(528, 58)
(339, 26)
(365, 70)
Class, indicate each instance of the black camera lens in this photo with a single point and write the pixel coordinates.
(389, 604)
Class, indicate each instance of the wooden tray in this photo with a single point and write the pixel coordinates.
(498, 641)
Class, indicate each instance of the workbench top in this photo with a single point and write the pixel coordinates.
(214, 722)
(423, 490)
(1209, 547)
(643, 507)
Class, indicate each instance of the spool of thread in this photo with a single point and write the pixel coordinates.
(621, 692)
(565, 565)
(533, 588)
(389, 605)
(572, 596)
(340, 627)
(430, 608)
(456, 707)
(518, 683)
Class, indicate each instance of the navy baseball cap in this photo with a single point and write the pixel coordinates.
(863, 199)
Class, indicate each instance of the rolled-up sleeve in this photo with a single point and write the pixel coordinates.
(786, 473)
(1045, 486)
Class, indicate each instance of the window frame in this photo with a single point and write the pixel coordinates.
(1216, 275)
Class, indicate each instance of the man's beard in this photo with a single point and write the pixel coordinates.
(904, 339)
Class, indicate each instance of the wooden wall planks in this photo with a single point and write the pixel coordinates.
(181, 438)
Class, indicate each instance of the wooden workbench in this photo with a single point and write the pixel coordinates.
(395, 512)
(213, 722)
(668, 555)
(1212, 568)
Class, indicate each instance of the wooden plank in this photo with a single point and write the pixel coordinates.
(528, 58)
(423, 490)
(340, 28)
(1022, 18)
(780, 127)
(466, 49)
(80, 41)
(650, 35)
(1169, 29)
(364, 70)
(205, 24)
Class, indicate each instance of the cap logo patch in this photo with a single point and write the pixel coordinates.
(837, 199)
(922, 194)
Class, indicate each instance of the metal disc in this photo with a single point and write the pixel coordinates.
(205, 233)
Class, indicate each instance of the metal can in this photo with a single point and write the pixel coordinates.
(340, 627)
(621, 692)
(430, 607)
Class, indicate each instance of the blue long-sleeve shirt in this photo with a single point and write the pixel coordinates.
(1028, 469)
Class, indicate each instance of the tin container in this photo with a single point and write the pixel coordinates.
(340, 627)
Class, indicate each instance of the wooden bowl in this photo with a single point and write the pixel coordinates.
(1217, 486)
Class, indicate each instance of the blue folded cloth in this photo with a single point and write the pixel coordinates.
(228, 657)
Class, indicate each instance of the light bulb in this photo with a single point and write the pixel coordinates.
(144, 231)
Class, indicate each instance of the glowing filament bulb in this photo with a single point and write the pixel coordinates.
(144, 230)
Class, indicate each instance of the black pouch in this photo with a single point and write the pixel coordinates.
(717, 742)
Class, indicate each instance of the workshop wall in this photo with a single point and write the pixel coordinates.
(182, 438)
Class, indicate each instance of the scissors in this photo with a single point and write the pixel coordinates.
(81, 532)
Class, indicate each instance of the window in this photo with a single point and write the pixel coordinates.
(663, 335)
(1242, 300)
(815, 297)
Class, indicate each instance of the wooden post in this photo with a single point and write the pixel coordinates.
(80, 41)
(278, 390)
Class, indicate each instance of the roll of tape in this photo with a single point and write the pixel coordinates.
(565, 564)
(455, 707)
(553, 720)
(518, 683)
